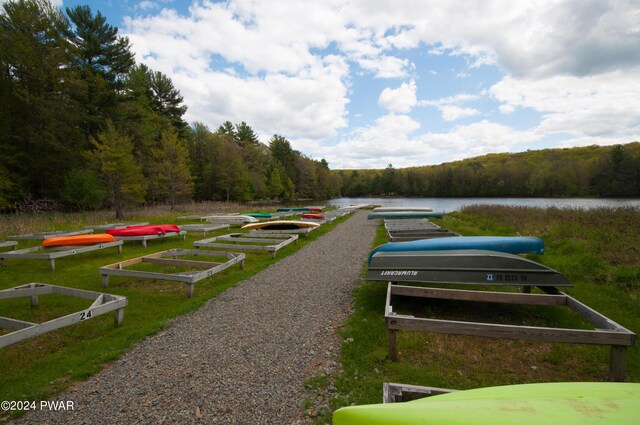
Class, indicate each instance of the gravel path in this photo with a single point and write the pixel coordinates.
(244, 356)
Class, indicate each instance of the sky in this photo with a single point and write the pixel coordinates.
(367, 83)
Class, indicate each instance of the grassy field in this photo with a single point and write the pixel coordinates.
(598, 251)
(46, 365)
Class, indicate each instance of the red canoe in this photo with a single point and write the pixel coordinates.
(79, 240)
(150, 229)
(314, 216)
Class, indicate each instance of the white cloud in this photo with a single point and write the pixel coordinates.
(449, 108)
(452, 113)
(394, 139)
(506, 109)
(586, 107)
(402, 99)
(147, 5)
(385, 66)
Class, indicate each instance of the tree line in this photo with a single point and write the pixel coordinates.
(591, 171)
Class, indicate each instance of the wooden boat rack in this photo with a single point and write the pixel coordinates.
(51, 254)
(399, 393)
(145, 238)
(248, 242)
(102, 303)
(606, 332)
(170, 257)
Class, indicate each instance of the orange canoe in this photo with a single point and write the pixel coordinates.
(79, 240)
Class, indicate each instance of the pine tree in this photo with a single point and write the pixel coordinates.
(122, 176)
(172, 177)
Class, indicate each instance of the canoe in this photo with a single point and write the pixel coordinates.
(313, 216)
(508, 244)
(315, 209)
(583, 403)
(298, 209)
(79, 240)
(391, 215)
(151, 229)
(231, 219)
(391, 209)
(475, 267)
(259, 215)
(280, 225)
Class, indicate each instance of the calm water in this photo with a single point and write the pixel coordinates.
(454, 204)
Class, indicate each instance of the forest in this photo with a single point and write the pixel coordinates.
(590, 171)
(83, 126)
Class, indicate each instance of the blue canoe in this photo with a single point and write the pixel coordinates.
(507, 244)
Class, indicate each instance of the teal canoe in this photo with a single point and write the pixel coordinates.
(293, 209)
(581, 403)
(507, 244)
(404, 214)
(259, 215)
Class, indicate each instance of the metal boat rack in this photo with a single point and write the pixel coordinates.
(8, 244)
(53, 234)
(51, 254)
(102, 303)
(204, 227)
(248, 242)
(145, 238)
(170, 258)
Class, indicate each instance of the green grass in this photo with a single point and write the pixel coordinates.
(599, 252)
(41, 367)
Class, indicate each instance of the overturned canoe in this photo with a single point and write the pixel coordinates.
(294, 209)
(477, 267)
(391, 215)
(281, 225)
(584, 403)
(259, 215)
(508, 244)
(231, 219)
(79, 240)
(313, 216)
(151, 229)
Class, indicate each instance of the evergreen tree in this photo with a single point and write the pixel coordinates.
(122, 176)
(276, 188)
(172, 177)
(103, 58)
(166, 100)
(37, 114)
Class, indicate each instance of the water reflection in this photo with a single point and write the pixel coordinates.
(455, 204)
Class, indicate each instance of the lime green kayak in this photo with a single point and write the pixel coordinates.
(581, 403)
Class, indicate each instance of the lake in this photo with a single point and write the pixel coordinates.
(455, 204)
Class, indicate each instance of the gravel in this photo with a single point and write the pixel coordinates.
(244, 356)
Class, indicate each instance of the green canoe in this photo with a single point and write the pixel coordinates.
(260, 215)
(581, 403)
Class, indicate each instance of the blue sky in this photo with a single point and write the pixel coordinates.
(366, 83)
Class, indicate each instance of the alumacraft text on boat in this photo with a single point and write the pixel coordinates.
(399, 273)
